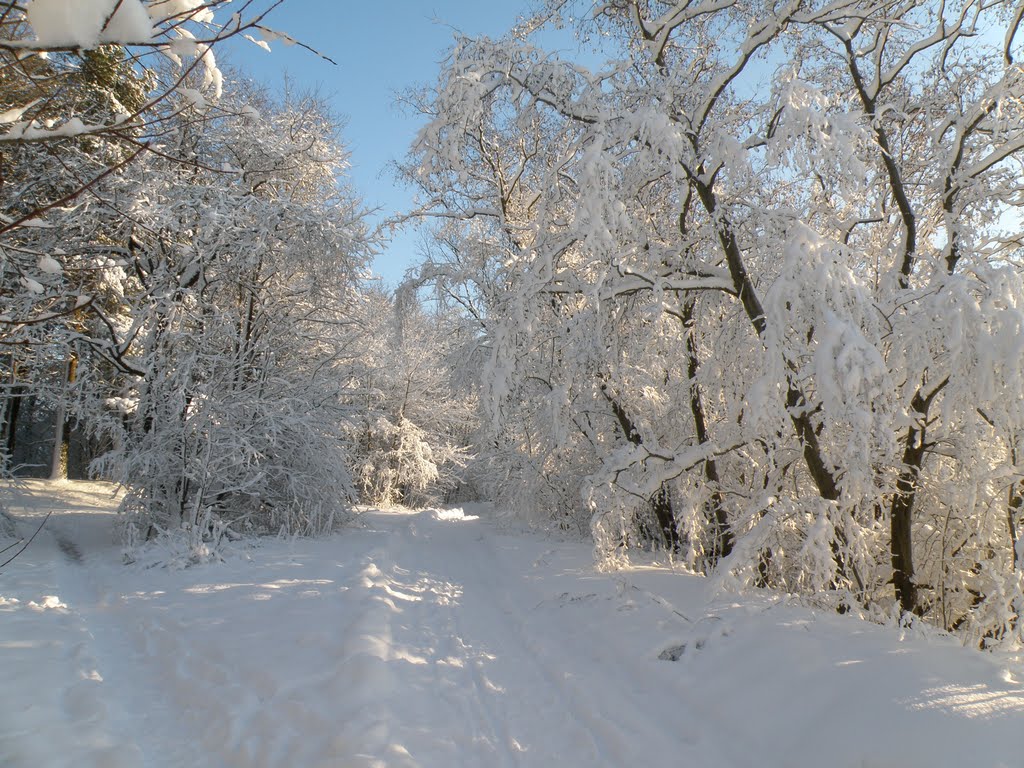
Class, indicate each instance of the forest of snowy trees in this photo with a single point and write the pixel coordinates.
(186, 302)
(742, 283)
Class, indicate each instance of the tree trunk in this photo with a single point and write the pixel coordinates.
(11, 410)
(11, 413)
(901, 511)
(715, 509)
(764, 565)
(796, 402)
(661, 503)
(900, 523)
(1013, 508)
(61, 441)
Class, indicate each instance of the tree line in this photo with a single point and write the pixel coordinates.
(186, 306)
(750, 288)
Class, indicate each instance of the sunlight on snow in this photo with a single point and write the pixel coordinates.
(440, 592)
(403, 654)
(13, 644)
(145, 595)
(452, 661)
(204, 589)
(50, 603)
(972, 701)
(401, 595)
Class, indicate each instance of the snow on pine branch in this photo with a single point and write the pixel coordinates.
(87, 81)
(184, 31)
(89, 23)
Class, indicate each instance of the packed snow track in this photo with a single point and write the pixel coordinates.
(434, 639)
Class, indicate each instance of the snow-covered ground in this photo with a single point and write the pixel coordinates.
(438, 640)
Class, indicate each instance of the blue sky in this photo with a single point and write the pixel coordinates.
(380, 48)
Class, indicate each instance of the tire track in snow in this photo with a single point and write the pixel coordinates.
(432, 691)
(456, 552)
(361, 680)
(461, 660)
(572, 700)
(110, 650)
(625, 735)
(501, 739)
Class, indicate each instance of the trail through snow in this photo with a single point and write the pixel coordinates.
(434, 639)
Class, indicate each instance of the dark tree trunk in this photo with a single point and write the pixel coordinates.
(764, 565)
(661, 503)
(1013, 508)
(901, 514)
(715, 509)
(1012, 511)
(13, 409)
(901, 511)
(796, 402)
(61, 437)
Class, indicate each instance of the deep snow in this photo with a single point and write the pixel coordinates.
(435, 639)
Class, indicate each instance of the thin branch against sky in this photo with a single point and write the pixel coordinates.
(380, 51)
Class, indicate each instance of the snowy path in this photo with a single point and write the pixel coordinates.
(417, 641)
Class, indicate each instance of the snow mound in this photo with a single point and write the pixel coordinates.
(188, 546)
(49, 602)
(456, 513)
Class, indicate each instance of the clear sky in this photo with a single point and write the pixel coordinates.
(380, 48)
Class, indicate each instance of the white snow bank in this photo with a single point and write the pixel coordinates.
(80, 23)
(456, 513)
(48, 602)
(177, 9)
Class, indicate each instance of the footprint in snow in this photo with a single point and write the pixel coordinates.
(675, 652)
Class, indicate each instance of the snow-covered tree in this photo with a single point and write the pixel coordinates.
(412, 425)
(80, 101)
(86, 88)
(242, 263)
(755, 277)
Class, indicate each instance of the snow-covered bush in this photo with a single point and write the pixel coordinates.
(410, 425)
(241, 305)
